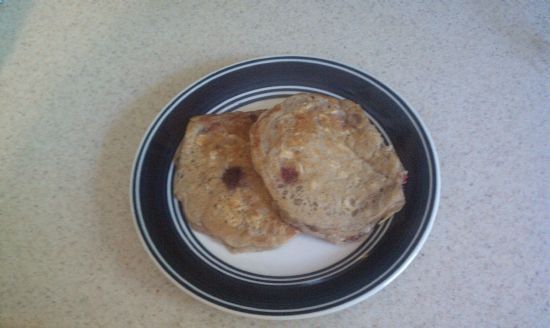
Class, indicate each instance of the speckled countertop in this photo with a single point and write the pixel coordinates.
(81, 80)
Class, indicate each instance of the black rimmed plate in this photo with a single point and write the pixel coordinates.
(306, 277)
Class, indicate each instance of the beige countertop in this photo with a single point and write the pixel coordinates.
(80, 81)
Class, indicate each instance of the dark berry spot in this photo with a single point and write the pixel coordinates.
(352, 238)
(352, 120)
(289, 174)
(232, 176)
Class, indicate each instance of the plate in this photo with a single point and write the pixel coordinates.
(307, 276)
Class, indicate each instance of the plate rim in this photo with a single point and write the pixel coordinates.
(354, 301)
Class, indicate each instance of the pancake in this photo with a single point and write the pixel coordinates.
(221, 193)
(327, 167)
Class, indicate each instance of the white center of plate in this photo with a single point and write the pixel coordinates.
(302, 254)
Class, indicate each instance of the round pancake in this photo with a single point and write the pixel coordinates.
(221, 193)
(327, 167)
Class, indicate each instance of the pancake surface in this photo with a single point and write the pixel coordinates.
(221, 193)
(327, 167)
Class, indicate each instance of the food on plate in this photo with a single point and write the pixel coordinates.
(221, 193)
(327, 167)
(312, 163)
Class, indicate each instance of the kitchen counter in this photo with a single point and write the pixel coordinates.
(80, 81)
